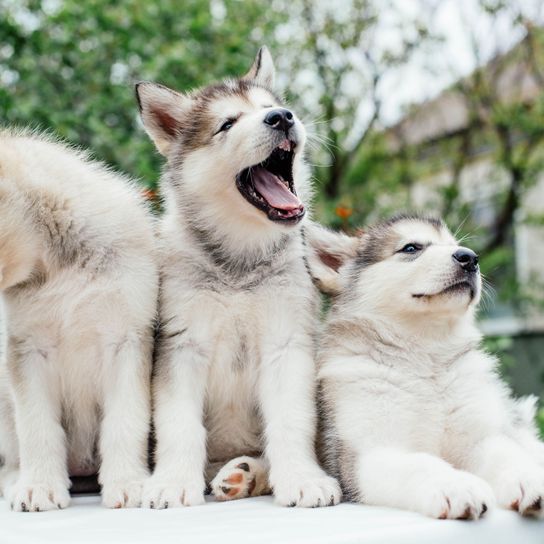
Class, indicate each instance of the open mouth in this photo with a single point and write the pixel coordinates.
(458, 287)
(269, 185)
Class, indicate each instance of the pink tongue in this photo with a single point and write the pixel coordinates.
(274, 191)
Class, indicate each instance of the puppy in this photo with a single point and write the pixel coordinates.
(79, 280)
(9, 452)
(234, 382)
(414, 413)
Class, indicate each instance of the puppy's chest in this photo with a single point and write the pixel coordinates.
(440, 406)
(404, 404)
(422, 411)
(231, 411)
(237, 351)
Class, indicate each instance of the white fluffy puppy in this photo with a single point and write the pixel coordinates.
(9, 451)
(235, 375)
(414, 413)
(79, 280)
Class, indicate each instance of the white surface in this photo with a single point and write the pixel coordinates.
(258, 521)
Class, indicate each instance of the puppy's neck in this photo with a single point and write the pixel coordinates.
(229, 238)
(433, 329)
(425, 337)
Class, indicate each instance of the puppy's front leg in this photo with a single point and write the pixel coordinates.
(420, 482)
(9, 448)
(287, 394)
(43, 479)
(514, 474)
(178, 400)
(125, 425)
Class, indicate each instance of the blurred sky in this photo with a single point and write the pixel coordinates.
(462, 26)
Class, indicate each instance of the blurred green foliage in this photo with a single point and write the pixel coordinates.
(69, 66)
(540, 420)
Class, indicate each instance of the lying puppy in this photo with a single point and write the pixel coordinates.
(234, 383)
(415, 415)
(78, 276)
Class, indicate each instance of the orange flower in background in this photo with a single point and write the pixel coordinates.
(149, 194)
(343, 212)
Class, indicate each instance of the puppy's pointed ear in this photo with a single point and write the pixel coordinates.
(162, 111)
(327, 252)
(262, 71)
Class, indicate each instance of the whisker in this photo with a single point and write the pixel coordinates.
(461, 226)
(467, 236)
(489, 293)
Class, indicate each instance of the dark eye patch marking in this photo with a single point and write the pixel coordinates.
(376, 246)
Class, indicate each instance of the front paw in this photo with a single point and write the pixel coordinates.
(161, 494)
(307, 490)
(24, 497)
(523, 492)
(460, 495)
(124, 494)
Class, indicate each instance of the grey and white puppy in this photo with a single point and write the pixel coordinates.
(234, 384)
(79, 281)
(415, 415)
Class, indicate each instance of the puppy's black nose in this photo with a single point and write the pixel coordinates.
(467, 259)
(280, 119)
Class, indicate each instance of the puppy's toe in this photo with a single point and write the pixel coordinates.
(307, 491)
(122, 494)
(524, 492)
(535, 508)
(24, 497)
(460, 496)
(161, 495)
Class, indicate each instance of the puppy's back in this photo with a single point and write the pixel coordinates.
(78, 208)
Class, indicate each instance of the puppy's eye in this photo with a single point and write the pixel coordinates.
(411, 248)
(226, 125)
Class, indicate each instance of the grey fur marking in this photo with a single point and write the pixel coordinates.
(241, 271)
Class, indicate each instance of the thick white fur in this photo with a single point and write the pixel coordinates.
(9, 450)
(79, 280)
(415, 414)
(235, 371)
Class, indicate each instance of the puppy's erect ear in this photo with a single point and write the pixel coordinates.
(262, 71)
(162, 111)
(327, 251)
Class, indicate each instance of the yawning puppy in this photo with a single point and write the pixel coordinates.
(414, 413)
(234, 383)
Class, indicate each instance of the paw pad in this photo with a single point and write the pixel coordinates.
(239, 479)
